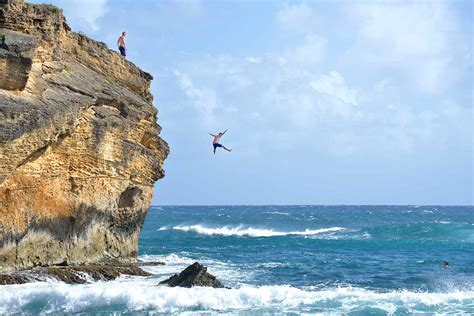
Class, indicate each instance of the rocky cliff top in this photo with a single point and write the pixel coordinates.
(56, 42)
(79, 144)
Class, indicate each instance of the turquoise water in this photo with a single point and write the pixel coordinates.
(360, 260)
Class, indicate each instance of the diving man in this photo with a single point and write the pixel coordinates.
(216, 142)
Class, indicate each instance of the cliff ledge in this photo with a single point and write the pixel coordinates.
(79, 144)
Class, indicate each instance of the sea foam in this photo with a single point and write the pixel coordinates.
(135, 294)
(242, 230)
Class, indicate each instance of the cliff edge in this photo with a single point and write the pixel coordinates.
(79, 144)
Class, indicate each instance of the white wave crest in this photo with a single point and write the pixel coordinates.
(171, 258)
(135, 295)
(251, 232)
(277, 213)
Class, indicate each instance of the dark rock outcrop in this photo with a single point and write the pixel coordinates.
(150, 263)
(80, 274)
(16, 58)
(194, 275)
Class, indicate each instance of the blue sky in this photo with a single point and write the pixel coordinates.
(326, 102)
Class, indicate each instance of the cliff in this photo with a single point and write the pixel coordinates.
(79, 144)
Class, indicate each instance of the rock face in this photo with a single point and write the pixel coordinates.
(79, 144)
(194, 275)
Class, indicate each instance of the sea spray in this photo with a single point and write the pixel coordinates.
(131, 294)
(242, 230)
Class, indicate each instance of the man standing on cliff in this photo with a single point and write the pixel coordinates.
(216, 140)
(121, 44)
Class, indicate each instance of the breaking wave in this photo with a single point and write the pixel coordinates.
(134, 294)
(251, 232)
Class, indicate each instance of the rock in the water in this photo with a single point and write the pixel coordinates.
(194, 275)
(80, 274)
(13, 279)
(80, 148)
(150, 263)
(96, 272)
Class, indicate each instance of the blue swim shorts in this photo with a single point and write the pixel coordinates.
(122, 51)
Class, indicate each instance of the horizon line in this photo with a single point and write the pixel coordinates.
(414, 205)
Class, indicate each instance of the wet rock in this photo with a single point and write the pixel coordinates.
(194, 275)
(96, 272)
(151, 263)
(13, 279)
(80, 274)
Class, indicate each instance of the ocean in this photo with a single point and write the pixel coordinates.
(292, 260)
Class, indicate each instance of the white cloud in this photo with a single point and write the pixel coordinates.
(254, 60)
(289, 105)
(182, 10)
(371, 104)
(83, 14)
(203, 100)
(419, 40)
(295, 17)
(310, 52)
(407, 29)
(193, 7)
(298, 20)
(334, 85)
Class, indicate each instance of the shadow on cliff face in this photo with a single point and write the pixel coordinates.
(105, 118)
(16, 58)
(127, 198)
(63, 228)
(88, 234)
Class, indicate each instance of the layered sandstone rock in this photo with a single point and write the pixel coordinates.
(79, 144)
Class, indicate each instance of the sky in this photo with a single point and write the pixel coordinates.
(325, 102)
